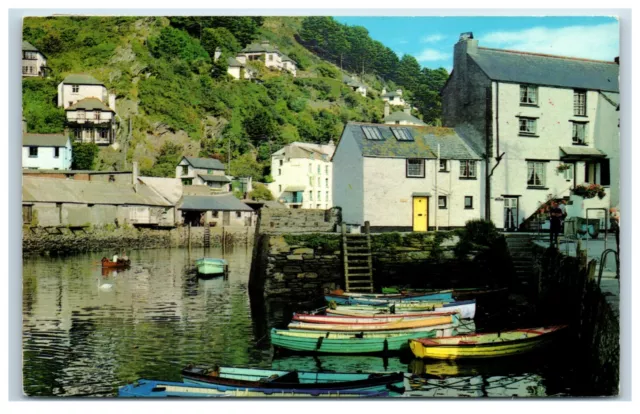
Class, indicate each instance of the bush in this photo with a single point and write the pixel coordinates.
(84, 155)
(260, 192)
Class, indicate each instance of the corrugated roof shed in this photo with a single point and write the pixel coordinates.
(44, 140)
(225, 202)
(537, 69)
(214, 178)
(205, 163)
(81, 79)
(89, 104)
(35, 189)
(403, 116)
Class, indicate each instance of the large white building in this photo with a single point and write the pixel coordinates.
(391, 176)
(303, 175)
(46, 151)
(546, 123)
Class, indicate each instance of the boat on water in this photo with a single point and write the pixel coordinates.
(209, 267)
(229, 378)
(120, 264)
(466, 309)
(396, 325)
(343, 319)
(347, 299)
(484, 345)
(448, 329)
(344, 342)
(144, 388)
(457, 293)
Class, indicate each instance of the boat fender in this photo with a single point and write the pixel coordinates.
(319, 343)
(385, 349)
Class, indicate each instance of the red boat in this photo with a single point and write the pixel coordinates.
(118, 265)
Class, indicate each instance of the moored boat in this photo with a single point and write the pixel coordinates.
(396, 325)
(115, 265)
(226, 378)
(466, 309)
(340, 319)
(484, 345)
(347, 299)
(209, 267)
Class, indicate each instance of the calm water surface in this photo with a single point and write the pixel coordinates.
(87, 332)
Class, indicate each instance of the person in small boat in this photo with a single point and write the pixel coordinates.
(555, 215)
(115, 257)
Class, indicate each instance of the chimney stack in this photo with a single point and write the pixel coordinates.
(466, 45)
(134, 175)
(386, 109)
(384, 90)
(407, 109)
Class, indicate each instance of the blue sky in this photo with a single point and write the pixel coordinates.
(431, 39)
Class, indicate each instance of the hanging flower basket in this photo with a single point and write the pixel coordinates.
(563, 167)
(589, 191)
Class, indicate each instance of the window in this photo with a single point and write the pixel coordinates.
(327, 196)
(310, 195)
(536, 173)
(270, 57)
(33, 152)
(77, 133)
(214, 214)
(81, 114)
(318, 181)
(185, 169)
(528, 94)
(319, 169)
(579, 133)
(281, 163)
(104, 133)
(568, 173)
(25, 69)
(372, 133)
(468, 202)
(30, 69)
(279, 171)
(187, 181)
(443, 165)
(527, 126)
(605, 172)
(96, 115)
(580, 103)
(326, 182)
(326, 169)
(311, 181)
(112, 178)
(467, 169)
(319, 196)
(415, 168)
(442, 202)
(75, 88)
(27, 214)
(56, 152)
(402, 134)
(238, 214)
(318, 206)
(70, 103)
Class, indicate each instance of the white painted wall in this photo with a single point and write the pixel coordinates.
(46, 159)
(234, 71)
(607, 138)
(105, 117)
(66, 96)
(34, 65)
(348, 190)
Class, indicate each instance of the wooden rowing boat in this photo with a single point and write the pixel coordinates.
(209, 267)
(466, 309)
(458, 293)
(484, 345)
(144, 388)
(115, 265)
(448, 329)
(347, 299)
(228, 378)
(396, 325)
(344, 343)
(342, 320)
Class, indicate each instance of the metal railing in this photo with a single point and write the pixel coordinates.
(603, 258)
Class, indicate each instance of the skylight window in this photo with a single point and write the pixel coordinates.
(372, 133)
(402, 134)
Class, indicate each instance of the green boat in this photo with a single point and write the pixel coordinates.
(344, 343)
(209, 267)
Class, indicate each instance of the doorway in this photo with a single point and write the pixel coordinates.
(420, 213)
(510, 213)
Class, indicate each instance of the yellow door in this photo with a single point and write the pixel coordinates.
(420, 209)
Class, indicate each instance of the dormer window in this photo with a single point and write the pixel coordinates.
(528, 95)
(75, 88)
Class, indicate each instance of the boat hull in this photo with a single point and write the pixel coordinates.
(211, 267)
(398, 325)
(108, 264)
(381, 301)
(346, 320)
(466, 309)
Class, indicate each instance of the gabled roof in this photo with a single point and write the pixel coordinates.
(205, 163)
(232, 62)
(226, 202)
(391, 94)
(45, 140)
(169, 188)
(214, 178)
(260, 48)
(306, 150)
(81, 79)
(286, 58)
(89, 104)
(28, 47)
(549, 70)
(403, 116)
(423, 145)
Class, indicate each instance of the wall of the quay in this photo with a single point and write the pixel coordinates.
(278, 221)
(65, 240)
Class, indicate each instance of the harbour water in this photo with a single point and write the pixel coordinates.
(86, 332)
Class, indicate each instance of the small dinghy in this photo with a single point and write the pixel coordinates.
(209, 267)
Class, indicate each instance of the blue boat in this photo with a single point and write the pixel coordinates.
(209, 267)
(144, 388)
(382, 301)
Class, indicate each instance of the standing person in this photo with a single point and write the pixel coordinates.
(556, 223)
(614, 220)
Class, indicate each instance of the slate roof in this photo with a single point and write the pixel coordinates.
(46, 190)
(306, 150)
(391, 94)
(424, 144)
(205, 163)
(81, 79)
(225, 202)
(28, 47)
(259, 48)
(89, 104)
(538, 69)
(44, 140)
(232, 62)
(214, 178)
(403, 116)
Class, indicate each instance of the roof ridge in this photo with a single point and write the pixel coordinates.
(519, 52)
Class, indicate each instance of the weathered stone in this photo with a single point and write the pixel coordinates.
(304, 250)
(308, 256)
(292, 269)
(294, 257)
(331, 256)
(307, 275)
(309, 286)
(278, 277)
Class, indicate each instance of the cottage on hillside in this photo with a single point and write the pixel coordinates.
(393, 98)
(391, 176)
(46, 151)
(268, 54)
(356, 86)
(553, 125)
(401, 117)
(203, 171)
(34, 62)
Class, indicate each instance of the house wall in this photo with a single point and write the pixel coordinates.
(606, 137)
(71, 214)
(303, 172)
(247, 218)
(66, 96)
(46, 160)
(396, 100)
(105, 117)
(34, 65)
(388, 200)
(348, 186)
(193, 172)
(234, 71)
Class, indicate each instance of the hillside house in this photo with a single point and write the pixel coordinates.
(552, 121)
(303, 175)
(203, 171)
(392, 177)
(393, 98)
(34, 62)
(216, 210)
(401, 117)
(356, 86)
(235, 68)
(46, 151)
(269, 55)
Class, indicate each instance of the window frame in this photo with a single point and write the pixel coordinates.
(444, 199)
(75, 88)
(526, 95)
(238, 214)
(185, 170)
(446, 166)
(470, 199)
(33, 152)
(466, 167)
(56, 152)
(579, 106)
(531, 168)
(528, 133)
(421, 166)
(574, 124)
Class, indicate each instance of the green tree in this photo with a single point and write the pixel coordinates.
(221, 38)
(261, 126)
(260, 192)
(408, 73)
(174, 43)
(84, 155)
(39, 104)
(246, 166)
(168, 158)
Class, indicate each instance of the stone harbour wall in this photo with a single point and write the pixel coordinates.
(276, 221)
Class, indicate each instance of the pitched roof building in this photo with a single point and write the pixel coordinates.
(34, 62)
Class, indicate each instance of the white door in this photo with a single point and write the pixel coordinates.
(510, 213)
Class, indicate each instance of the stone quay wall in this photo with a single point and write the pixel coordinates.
(279, 221)
(65, 240)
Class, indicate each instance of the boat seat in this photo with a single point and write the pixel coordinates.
(289, 377)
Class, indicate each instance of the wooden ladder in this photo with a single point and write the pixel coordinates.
(207, 235)
(358, 264)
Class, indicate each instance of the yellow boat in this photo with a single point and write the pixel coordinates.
(484, 345)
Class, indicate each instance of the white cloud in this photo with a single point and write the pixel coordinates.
(590, 42)
(433, 38)
(429, 55)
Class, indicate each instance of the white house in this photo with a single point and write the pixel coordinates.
(356, 86)
(547, 113)
(34, 62)
(303, 175)
(46, 151)
(203, 171)
(401, 117)
(391, 176)
(90, 120)
(76, 87)
(268, 54)
(393, 98)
